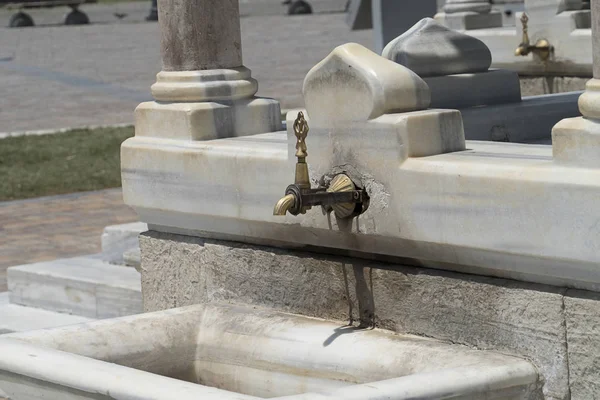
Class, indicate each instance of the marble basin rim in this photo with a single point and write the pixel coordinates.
(223, 351)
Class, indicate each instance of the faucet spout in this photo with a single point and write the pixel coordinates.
(284, 204)
(541, 48)
(521, 50)
(342, 196)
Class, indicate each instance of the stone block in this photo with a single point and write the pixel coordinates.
(576, 141)
(131, 257)
(464, 21)
(80, 286)
(478, 89)
(487, 313)
(431, 49)
(354, 84)
(117, 239)
(492, 123)
(538, 85)
(207, 120)
(582, 313)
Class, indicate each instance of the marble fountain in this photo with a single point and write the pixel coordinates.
(371, 250)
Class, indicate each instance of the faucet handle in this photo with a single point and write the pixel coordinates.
(524, 21)
(301, 131)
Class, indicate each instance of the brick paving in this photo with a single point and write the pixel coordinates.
(54, 227)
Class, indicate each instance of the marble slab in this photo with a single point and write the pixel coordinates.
(80, 286)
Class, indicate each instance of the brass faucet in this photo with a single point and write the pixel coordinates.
(341, 195)
(542, 47)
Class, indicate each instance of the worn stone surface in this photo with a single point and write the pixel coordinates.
(487, 313)
(583, 335)
(430, 49)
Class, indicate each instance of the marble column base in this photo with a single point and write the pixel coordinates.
(204, 85)
(589, 101)
(576, 141)
(469, 20)
(207, 120)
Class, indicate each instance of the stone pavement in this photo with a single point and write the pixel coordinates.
(67, 76)
(54, 227)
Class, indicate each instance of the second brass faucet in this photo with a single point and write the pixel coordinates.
(542, 47)
(342, 196)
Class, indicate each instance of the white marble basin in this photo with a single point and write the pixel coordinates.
(230, 352)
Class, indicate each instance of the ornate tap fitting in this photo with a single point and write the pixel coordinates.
(542, 47)
(341, 195)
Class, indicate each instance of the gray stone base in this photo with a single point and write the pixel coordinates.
(537, 85)
(470, 20)
(556, 328)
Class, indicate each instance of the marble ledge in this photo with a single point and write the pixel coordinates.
(496, 208)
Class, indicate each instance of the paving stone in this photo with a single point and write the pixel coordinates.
(430, 49)
(69, 76)
(81, 286)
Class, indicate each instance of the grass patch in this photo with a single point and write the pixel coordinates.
(73, 161)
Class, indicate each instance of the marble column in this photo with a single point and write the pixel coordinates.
(204, 91)
(200, 34)
(589, 101)
(469, 14)
(595, 8)
(577, 140)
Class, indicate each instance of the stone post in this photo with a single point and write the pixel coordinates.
(204, 91)
(576, 141)
(391, 18)
(153, 14)
(469, 14)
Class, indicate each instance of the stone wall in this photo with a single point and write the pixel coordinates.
(538, 85)
(556, 328)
